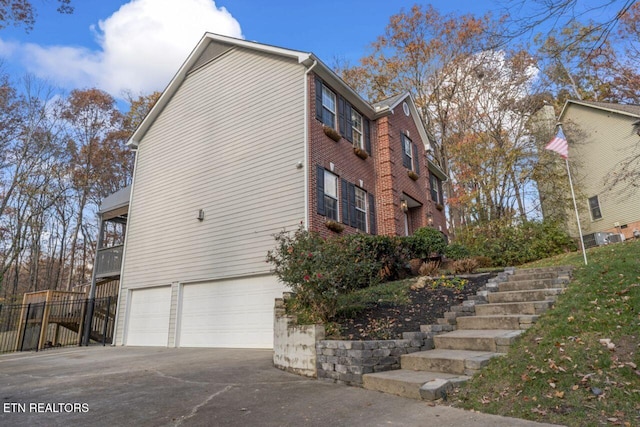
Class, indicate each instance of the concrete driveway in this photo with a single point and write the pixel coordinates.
(123, 386)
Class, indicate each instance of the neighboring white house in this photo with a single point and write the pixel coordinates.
(602, 136)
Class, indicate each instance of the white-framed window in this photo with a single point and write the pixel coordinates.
(408, 149)
(435, 189)
(594, 208)
(410, 154)
(361, 209)
(331, 195)
(328, 107)
(357, 131)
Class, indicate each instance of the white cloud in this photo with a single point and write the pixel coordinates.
(142, 45)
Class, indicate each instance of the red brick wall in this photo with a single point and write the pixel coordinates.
(394, 181)
(323, 151)
(382, 173)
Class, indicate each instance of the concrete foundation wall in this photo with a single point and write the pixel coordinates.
(294, 346)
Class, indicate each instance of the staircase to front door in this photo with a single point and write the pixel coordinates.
(511, 304)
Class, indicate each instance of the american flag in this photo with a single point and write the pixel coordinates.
(559, 144)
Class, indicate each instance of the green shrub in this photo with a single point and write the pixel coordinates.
(317, 270)
(425, 243)
(507, 245)
(456, 251)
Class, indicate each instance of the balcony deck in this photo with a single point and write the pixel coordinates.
(109, 261)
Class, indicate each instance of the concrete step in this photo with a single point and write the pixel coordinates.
(557, 270)
(493, 340)
(529, 285)
(413, 384)
(529, 275)
(508, 321)
(462, 362)
(528, 307)
(547, 294)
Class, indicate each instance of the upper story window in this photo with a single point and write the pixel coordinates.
(325, 104)
(435, 189)
(328, 107)
(357, 130)
(336, 112)
(594, 207)
(410, 158)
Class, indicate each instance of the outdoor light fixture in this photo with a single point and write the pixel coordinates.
(403, 205)
(201, 215)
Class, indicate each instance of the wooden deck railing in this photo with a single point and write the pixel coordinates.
(52, 296)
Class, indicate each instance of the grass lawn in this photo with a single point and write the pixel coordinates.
(579, 365)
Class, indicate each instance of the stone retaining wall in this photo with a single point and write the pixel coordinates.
(346, 361)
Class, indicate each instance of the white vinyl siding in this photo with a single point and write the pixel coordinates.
(603, 140)
(227, 142)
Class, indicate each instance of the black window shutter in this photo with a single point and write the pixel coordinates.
(345, 201)
(320, 190)
(372, 215)
(318, 99)
(416, 159)
(367, 135)
(352, 205)
(341, 121)
(440, 193)
(406, 160)
(349, 124)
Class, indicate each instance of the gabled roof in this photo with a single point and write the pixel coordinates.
(624, 109)
(306, 59)
(387, 106)
(390, 103)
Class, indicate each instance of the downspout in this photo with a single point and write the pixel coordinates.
(306, 144)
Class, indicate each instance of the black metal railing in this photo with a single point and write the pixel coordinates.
(41, 325)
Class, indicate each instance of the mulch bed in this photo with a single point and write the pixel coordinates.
(386, 321)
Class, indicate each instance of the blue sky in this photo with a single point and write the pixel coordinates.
(138, 45)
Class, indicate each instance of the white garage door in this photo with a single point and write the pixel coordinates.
(232, 313)
(148, 323)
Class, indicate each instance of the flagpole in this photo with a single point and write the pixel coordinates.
(575, 206)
